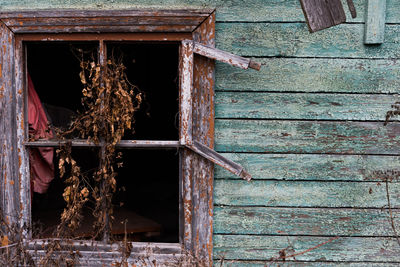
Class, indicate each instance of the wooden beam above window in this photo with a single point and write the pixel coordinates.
(61, 21)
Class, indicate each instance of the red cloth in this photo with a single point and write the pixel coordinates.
(41, 159)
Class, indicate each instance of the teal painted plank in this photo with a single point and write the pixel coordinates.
(375, 22)
(312, 75)
(237, 263)
(313, 167)
(294, 40)
(304, 194)
(232, 10)
(302, 221)
(307, 137)
(342, 249)
(303, 106)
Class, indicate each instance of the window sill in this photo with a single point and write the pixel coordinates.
(96, 253)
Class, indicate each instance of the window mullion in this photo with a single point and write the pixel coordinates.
(102, 152)
(186, 85)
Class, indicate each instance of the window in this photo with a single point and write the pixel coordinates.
(149, 200)
(190, 30)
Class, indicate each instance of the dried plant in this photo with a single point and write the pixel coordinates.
(12, 247)
(392, 113)
(109, 101)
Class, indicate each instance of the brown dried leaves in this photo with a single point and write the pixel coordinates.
(109, 101)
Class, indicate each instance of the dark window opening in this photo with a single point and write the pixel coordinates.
(48, 207)
(54, 69)
(148, 186)
(154, 69)
(148, 183)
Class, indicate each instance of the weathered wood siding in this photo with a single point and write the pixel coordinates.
(308, 126)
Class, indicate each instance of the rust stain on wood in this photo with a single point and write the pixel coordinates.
(22, 125)
(118, 21)
(204, 131)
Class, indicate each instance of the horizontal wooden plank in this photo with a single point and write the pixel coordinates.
(93, 253)
(303, 106)
(285, 10)
(61, 21)
(313, 75)
(314, 167)
(303, 221)
(275, 136)
(304, 194)
(102, 21)
(294, 40)
(347, 249)
(96, 246)
(106, 29)
(291, 263)
(86, 13)
(234, 10)
(263, 10)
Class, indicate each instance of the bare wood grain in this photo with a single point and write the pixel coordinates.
(203, 131)
(59, 21)
(225, 57)
(322, 14)
(9, 181)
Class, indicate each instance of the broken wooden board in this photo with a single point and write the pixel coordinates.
(322, 14)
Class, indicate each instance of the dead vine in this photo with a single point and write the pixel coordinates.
(109, 103)
(12, 248)
(390, 211)
(389, 115)
(283, 253)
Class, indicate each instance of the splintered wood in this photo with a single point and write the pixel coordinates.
(324, 14)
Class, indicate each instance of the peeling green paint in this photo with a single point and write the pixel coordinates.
(302, 192)
(313, 75)
(311, 167)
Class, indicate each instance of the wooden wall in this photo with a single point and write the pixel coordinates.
(308, 126)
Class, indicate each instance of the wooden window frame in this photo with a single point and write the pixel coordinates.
(196, 31)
